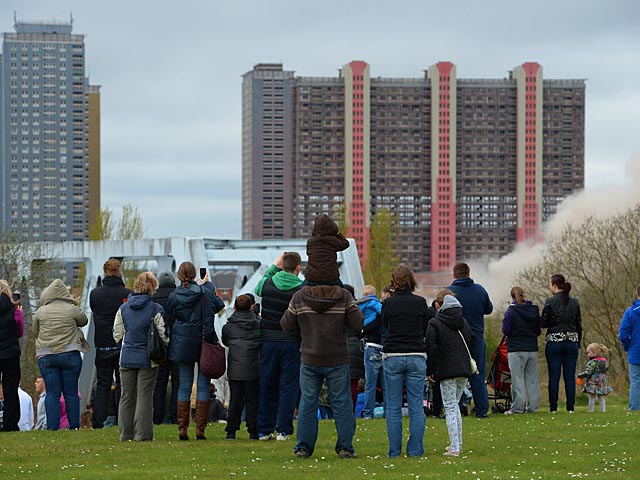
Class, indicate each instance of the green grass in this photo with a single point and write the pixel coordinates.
(535, 446)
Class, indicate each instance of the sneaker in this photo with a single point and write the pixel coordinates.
(343, 454)
(367, 418)
(570, 411)
(230, 436)
(553, 412)
(302, 453)
(450, 449)
(282, 437)
(451, 453)
(266, 438)
(511, 412)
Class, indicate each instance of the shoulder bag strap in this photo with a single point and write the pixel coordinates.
(465, 343)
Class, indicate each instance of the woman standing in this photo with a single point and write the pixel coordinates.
(405, 315)
(561, 317)
(138, 372)
(192, 305)
(59, 342)
(449, 338)
(11, 329)
(521, 325)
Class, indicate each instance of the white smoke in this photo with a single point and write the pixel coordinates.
(599, 202)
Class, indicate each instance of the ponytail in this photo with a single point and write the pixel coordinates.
(559, 281)
(518, 295)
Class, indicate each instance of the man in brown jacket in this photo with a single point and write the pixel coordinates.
(322, 314)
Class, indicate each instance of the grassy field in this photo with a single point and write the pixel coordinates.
(534, 446)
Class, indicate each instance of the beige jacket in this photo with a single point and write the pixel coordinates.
(56, 323)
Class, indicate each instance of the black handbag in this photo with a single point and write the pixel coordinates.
(156, 349)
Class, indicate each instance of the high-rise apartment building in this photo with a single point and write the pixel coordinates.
(49, 134)
(468, 166)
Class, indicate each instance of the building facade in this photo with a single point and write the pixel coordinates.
(468, 166)
(49, 134)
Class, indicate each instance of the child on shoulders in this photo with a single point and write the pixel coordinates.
(322, 248)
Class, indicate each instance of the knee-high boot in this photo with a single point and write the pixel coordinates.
(184, 412)
(202, 418)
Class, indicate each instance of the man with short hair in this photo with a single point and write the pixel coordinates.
(41, 414)
(629, 335)
(323, 314)
(105, 302)
(280, 351)
(475, 305)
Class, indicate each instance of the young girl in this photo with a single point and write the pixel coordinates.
(594, 377)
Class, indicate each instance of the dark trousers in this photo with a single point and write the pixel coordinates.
(160, 393)
(10, 372)
(436, 402)
(561, 360)
(244, 394)
(107, 365)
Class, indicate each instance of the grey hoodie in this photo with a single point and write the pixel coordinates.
(56, 322)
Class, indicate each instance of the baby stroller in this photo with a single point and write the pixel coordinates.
(499, 379)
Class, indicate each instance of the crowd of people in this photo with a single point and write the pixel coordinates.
(309, 339)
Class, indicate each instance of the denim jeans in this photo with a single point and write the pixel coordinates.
(477, 381)
(634, 387)
(409, 370)
(562, 358)
(339, 385)
(185, 373)
(60, 372)
(279, 386)
(373, 370)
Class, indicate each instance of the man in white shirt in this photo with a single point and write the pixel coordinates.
(26, 411)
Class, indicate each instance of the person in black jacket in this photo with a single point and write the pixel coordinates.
(105, 302)
(241, 335)
(10, 331)
(405, 315)
(521, 325)
(356, 356)
(447, 335)
(166, 286)
(561, 317)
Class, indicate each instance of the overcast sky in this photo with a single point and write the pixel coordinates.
(171, 79)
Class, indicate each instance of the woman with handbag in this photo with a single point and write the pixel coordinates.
(194, 307)
(449, 361)
(138, 372)
(59, 341)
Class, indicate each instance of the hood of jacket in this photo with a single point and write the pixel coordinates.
(322, 297)
(137, 301)
(451, 318)
(527, 312)
(56, 290)
(286, 281)
(5, 303)
(449, 301)
(367, 299)
(463, 281)
(245, 319)
(189, 296)
(324, 226)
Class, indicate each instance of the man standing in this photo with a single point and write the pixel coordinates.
(280, 351)
(323, 314)
(475, 305)
(105, 302)
(629, 335)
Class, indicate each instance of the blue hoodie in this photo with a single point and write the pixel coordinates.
(629, 332)
(475, 302)
(370, 307)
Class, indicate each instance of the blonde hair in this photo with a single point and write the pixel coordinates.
(518, 295)
(6, 289)
(369, 290)
(598, 348)
(145, 283)
(442, 293)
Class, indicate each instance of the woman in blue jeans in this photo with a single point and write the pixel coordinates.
(405, 317)
(192, 305)
(561, 317)
(59, 341)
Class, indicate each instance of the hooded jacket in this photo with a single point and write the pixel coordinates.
(629, 332)
(186, 305)
(56, 322)
(447, 357)
(561, 319)
(405, 316)
(475, 302)
(322, 246)
(522, 326)
(276, 288)
(241, 334)
(105, 302)
(131, 326)
(323, 313)
(9, 329)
